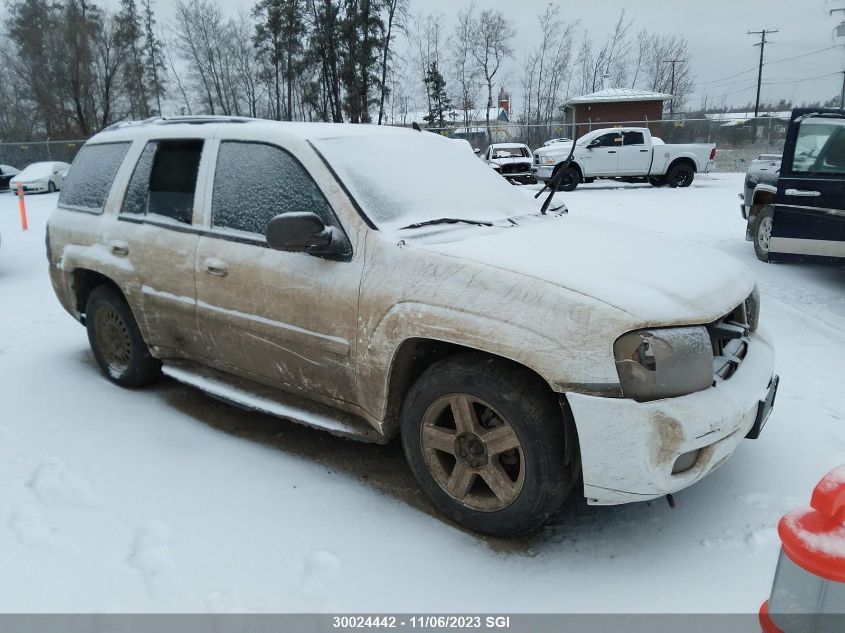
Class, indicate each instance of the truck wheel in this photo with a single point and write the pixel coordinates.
(485, 440)
(569, 180)
(680, 175)
(116, 341)
(762, 232)
(657, 181)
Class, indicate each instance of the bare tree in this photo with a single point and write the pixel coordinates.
(491, 46)
(429, 38)
(397, 11)
(465, 71)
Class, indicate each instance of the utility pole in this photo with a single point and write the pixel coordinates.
(762, 45)
(840, 32)
(672, 101)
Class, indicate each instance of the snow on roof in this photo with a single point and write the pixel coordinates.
(614, 95)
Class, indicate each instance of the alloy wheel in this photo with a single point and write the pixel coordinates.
(472, 452)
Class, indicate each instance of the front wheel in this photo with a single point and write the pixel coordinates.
(51, 187)
(569, 179)
(116, 341)
(485, 440)
(762, 232)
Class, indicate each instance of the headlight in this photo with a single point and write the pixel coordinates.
(547, 160)
(664, 362)
(752, 309)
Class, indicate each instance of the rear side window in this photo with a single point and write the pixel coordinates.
(165, 180)
(89, 180)
(255, 182)
(633, 138)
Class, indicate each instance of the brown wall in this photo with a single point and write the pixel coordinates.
(596, 115)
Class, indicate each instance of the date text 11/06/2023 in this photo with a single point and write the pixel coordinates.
(434, 622)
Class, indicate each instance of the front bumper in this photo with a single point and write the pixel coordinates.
(629, 448)
(29, 188)
(543, 172)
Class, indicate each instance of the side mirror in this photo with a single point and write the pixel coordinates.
(593, 144)
(476, 150)
(297, 232)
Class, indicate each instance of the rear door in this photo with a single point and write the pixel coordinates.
(809, 218)
(635, 156)
(601, 158)
(156, 234)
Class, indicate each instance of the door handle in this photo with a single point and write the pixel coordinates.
(803, 193)
(214, 266)
(611, 151)
(119, 248)
(643, 151)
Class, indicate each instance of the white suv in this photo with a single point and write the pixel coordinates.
(305, 271)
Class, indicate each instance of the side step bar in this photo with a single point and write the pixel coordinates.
(256, 397)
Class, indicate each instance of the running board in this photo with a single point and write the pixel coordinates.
(256, 397)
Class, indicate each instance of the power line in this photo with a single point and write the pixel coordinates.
(769, 63)
(762, 45)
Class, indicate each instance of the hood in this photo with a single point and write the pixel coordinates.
(655, 279)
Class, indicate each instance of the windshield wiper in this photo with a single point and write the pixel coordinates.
(555, 181)
(446, 221)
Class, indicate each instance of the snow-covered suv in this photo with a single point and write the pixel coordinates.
(303, 271)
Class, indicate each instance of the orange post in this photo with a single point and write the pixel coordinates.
(22, 207)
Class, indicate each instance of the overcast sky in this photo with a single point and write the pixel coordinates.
(716, 30)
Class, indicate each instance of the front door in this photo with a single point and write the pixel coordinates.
(809, 218)
(285, 319)
(601, 157)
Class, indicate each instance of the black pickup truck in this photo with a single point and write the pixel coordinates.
(795, 206)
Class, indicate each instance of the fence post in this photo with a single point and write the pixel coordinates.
(49, 157)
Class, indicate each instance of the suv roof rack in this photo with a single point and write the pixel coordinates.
(197, 119)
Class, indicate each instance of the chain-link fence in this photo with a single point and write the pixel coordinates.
(25, 153)
(738, 140)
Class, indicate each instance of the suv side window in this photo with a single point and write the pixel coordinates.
(165, 180)
(254, 182)
(88, 182)
(633, 138)
(820, 147)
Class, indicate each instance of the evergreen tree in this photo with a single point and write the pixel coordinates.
(441, 103)
(155, 69)
(130, 36)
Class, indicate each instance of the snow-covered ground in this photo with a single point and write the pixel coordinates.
(166, 500)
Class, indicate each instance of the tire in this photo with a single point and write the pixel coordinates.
(453, 468)
(51, 187)
(116, 341)
(657, 181)
(570, 179)
(761, 232)
(680, 175)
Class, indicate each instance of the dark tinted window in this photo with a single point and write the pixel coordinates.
(608, 140)
(137, 195)
(173, 179)
(633, 138)
(90, 178)
(255, 182)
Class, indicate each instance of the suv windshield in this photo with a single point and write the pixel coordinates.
(407, 179)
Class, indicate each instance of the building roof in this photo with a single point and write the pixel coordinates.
(616, 95)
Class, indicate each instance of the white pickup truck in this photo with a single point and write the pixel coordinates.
(627, 153)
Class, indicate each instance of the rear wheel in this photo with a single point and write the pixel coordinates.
(116, 341)
(680, 175)
(485, 440)
(762, 232)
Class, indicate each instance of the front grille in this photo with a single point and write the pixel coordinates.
(729, 337)
(515, 168)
